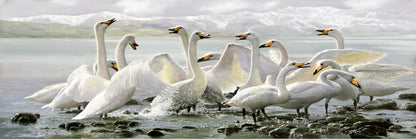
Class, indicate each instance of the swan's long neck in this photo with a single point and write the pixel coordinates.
(254, 75)
(197, 72)
(120, 54)
(323, 78)
(281, 83)
(334, 65)
(185, 44)
(101, 55)
(340, 41)
(284, 56)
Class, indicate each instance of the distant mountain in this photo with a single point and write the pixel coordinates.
(297, 22)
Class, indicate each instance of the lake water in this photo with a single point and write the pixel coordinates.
(27, 65)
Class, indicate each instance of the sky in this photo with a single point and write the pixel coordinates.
(174, 8)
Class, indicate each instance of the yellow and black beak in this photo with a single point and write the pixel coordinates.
(242, 36)
(323, 31)
(318, 69)
(174, 30)
(302, 65)
(134, 45)
(355, 82)
(109, 22)
(205, 58)
(115, 67)
(203, 35)
(267, 44)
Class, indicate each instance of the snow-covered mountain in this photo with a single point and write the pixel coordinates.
(286, 22)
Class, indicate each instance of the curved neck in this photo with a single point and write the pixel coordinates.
(340, 42)
(254, 75)
(281, 82)
(334, 65)
(193, 60)
(284, 56)
(101, 55)
(185, 44)
(323, 77)
(120, 56)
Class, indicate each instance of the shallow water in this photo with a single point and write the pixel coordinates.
(27, 65)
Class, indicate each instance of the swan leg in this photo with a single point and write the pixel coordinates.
(254, 117)
(306, 113)
(355, 105)
(258, 112)
(105, 115)
(188, 109)
(194, 108)
(297, 111)
(219, 106)
(326, 106)
(371, 98)
(79, 108)
(264, 112)
(244, 113)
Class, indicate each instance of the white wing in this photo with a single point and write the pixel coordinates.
(166, 69)
(46, 94)
(380, 72)
(83, 85)
(234, 66)
(341, 56)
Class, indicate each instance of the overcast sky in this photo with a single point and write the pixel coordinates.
(164, 8)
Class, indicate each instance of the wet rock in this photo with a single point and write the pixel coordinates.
(164, 129)
(333, 119)
(378, 104)
(310, 135)
(72, 126)
(265, 130)
(135, 113)
(124, 133)
(411, 96)
(140, 131)
(408, 106)
(290, 126)
(149, 99)
(346, 129)
(249, 127)
(384, 123)
(154, 133)
(25, 118)
(132, 102)
(354, 119)
(121, 122)
(97, 124)
(228, 130)
(280, 133)
(395, 128)
(314, 125)
(368, 131)
(101, 131)
(301, 130)
(288, 117)
(121, 127)
(332, 129)
(343, 110)
(133, 124)
(337, 125)
(189, 127)
(126, 112)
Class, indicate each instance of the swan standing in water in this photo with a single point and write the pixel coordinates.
(304, 94)
(259, 97)
(188, 91)
(47, 94)
(369, 87)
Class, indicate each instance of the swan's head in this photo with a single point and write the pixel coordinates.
(347, 76)
(210, 56)
(104, 24)
(321, 64)
(295, 65)
(247, 36)
(112, 64)
(330, 32)
(199, 36)
(271, 43)
(177, 30)
(131, 40)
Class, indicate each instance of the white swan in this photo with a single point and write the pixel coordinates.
(304, 94)
(259, 97)
(369, 87)
(284, 59)
(190, 90)
(46, 94)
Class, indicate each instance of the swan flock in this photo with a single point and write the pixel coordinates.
(242, 77)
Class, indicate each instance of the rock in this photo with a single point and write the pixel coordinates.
(346, 129)
(121, 122)
(368, 131)
(97, 124)
(135, 113)
(395, 128)
(164, 129)
(411, 96)
(280, 133)
(72, 126)
(408, 106)
(265, 130)
(101, 131)
(228, 130)
(353, 119)
(124, 133)
(126, 112)
(132, 102)
(384, 123)
(378, 104)
(133, 124)
(333, 119)
(149, 99)
(301, 130)
(310, 135)
(154, 133)
(121, 127)
(332, 129)
(343, 110)
(249, 127)
(290, 126)
(189, 127)
(314, 125)
(138, 130)
(25, 118)
(287, 117)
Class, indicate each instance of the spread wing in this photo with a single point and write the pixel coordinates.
(166, 69)
(380, 72)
